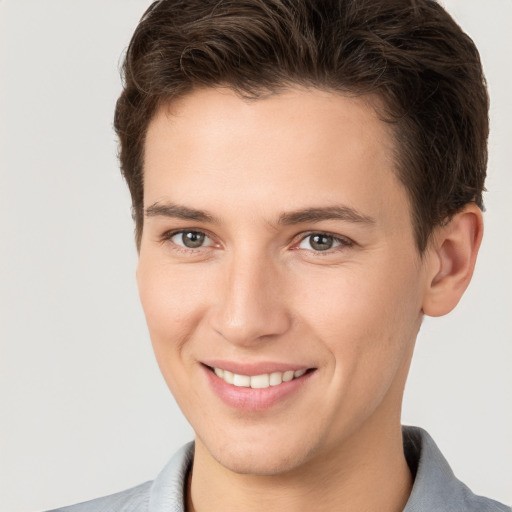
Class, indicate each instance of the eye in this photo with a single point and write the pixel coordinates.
(322, 242)
(190, 239)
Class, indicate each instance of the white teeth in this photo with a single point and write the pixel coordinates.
(287, 376)
(258, 381)
(276, 378)
(242, 381)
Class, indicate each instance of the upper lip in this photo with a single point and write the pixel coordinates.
(254, 368)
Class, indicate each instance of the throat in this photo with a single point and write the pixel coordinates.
(320, 485)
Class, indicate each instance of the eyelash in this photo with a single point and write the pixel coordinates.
(343, 242)
(168, 235)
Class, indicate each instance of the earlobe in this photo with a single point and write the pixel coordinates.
(452, 257)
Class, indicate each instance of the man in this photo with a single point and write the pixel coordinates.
(306, 180)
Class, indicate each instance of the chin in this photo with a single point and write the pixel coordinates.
(261, 458)
(269, 464)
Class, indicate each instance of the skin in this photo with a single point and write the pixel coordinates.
(257, 291)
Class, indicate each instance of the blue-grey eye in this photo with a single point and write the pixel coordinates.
(319, 242)
(190, 239)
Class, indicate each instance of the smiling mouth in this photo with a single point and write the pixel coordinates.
(262, 381)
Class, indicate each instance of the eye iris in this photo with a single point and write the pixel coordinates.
(192, 239)
(321, 242)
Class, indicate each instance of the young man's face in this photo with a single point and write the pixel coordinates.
(276, 239)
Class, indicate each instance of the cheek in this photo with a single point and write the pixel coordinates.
(173, 304)
(364, 315)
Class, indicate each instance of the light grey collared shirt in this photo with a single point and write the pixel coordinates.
(435, 487)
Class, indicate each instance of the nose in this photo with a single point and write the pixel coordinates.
(251, 301)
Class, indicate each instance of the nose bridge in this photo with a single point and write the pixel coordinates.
(251, 305)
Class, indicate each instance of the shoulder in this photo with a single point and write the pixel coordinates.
(135, 499)
(164, 494)
(435, 486)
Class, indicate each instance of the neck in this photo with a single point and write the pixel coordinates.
(368, 472)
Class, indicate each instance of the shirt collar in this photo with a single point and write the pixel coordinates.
(435, 486)
(168, 490)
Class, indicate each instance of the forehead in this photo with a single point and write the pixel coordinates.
(300, 146)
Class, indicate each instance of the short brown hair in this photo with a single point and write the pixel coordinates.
(410, 53)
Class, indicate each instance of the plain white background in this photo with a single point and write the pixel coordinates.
(84, 411)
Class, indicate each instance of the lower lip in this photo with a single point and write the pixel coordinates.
(249, 399)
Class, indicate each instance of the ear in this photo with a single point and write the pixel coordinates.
(452, 256)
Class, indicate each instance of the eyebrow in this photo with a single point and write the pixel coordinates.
(317, 214)
(344, 213)
(180, 212)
